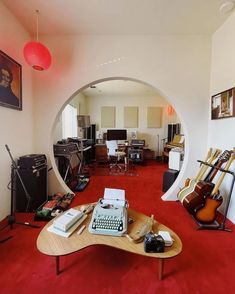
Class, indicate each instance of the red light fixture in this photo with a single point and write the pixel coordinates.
(170, 110)
(36, 54)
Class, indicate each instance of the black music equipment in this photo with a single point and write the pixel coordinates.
(35, 180)
(173, 129)
(11, 219)
(91, 138)
(138, 143)
(32, 161)
(91, 132)
(66, 153)
(65, 149)
(169, 177)
(116, 135)
(136, 153)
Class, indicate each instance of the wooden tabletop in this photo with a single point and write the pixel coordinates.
(54, 245)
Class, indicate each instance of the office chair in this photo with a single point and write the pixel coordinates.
(114, 155)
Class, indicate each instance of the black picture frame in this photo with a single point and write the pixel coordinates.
(223, 104)
(10, 82)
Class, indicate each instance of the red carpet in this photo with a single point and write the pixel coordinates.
(206, 264)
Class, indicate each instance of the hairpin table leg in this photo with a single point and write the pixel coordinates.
(161, 268)
(57, 261)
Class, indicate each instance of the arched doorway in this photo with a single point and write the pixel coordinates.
(120, 95)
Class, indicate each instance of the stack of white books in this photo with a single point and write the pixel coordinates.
(65, 221)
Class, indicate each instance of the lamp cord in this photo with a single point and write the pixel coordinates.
(37, 12)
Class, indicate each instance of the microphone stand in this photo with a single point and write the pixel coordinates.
(11, 219)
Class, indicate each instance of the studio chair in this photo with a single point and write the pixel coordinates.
(114, 155)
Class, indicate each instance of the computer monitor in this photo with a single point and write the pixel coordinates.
(116, 134)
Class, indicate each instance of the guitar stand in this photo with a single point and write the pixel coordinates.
(216, 225)
(11, 219)
(213, 226)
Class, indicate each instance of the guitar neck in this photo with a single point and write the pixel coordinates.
(226, 168)
(214, 172)
(198, 176)
(204, 167)
(223, 158)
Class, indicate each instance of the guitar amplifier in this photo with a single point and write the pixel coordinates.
(33, 173)
(32, 161)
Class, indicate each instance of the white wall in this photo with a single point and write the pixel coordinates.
(150, 135)
(16, 127)
(177, 66)
(222, 131)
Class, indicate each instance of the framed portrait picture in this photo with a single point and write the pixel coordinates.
(222, 104)
(10, 82)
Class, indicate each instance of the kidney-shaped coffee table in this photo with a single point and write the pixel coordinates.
(54, 245)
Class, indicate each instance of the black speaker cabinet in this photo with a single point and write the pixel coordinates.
(91, 132)
(91, 135)
(35, 182)
(168, 179)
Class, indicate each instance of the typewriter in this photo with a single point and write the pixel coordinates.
(109, 217)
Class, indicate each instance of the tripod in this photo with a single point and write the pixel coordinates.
(11, 219)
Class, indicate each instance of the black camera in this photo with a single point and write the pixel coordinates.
(153, 243)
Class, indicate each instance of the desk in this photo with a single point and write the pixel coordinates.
(54, 245)
(101, 153)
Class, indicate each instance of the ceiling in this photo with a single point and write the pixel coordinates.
(119, 88)
(119, 17)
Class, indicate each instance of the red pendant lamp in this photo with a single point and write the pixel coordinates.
(170, 110)
(36, 54)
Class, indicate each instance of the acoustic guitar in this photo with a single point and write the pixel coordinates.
(208, 213)
(195, 199)
(190, 184)
(188, 181)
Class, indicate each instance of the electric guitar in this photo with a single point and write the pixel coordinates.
(203, 188)
(188, 180)
(190, 184)
(207, 214)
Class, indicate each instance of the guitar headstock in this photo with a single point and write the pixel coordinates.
(225, 156)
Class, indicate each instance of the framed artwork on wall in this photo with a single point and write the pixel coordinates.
(10, 82)
(223, 105)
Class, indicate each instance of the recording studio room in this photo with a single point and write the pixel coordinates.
(117, 146)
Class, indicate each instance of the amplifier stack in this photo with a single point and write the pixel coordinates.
(32, 161)
(32, 169)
